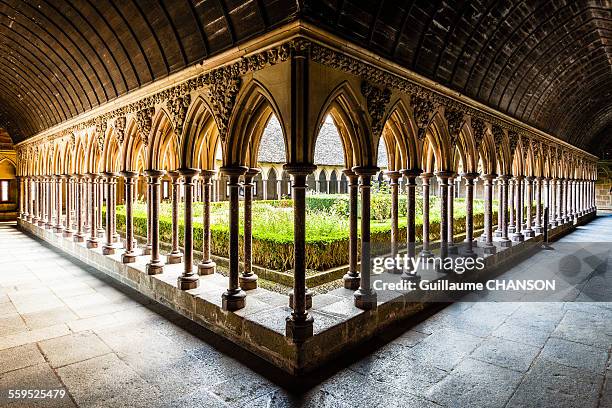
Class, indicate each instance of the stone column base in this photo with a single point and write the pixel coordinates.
(174, 258)
(67, 233)
(529, 233)
(92, 243)
(128, 257)
(517, 237)
(235, 300)
(505, 243)
(299, 331)
(188, 282)
(58, 229)
(207, 268)
(108, 250)
(78, 238)
(146, 250)
(538, 229)
(351, 280)
(365, 299)
(248, 282)
(489, 249)
(154, 268)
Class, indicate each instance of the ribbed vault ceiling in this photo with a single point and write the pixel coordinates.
(548, 63)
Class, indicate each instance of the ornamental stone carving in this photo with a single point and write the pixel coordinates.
(144, 122)
(223, 87)
(498, 135)
(178, 111)
(455, 119)
(422, 109)
(376, 101)
(100, 133)
(479, 129)
(513, 139)
(120, 129)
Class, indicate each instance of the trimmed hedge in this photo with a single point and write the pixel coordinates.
(325, 248)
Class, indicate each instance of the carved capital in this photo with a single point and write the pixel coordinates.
(498, 135)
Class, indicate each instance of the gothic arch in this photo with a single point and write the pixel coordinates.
(200, 139)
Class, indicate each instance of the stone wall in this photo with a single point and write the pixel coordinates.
(603, 187)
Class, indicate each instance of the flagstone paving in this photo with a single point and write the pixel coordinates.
(65, 326)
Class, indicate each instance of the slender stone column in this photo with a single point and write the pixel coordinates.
(452, 248)
(67, 230)
(365, 297)
(411, 176)
(299, 325)
(443, 177)
(20, 196)
(148, 248)
(234, 297)
(498, 231)
(44, 208)
(79, 236)
(129, 255)
(101, 181)
(582, 196)
(529, 232)
(510, 203)
(188, 279)
(538, 197)
(175, 256)
(469, 212)
(155, 265)
(207, 266)
(559, 201)
(109, 246)
(92, 241)
(57, 181)
(425, 252)
(552, 206)
(248, 280)
(85, 202)
(393, 178)
(517, 236)
(49, 203)
(504, 241)
(351, 278)
(489, 248)
(39, 201)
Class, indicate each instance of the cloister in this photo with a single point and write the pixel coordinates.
(197, 136)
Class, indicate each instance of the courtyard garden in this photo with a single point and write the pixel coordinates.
(327, 227)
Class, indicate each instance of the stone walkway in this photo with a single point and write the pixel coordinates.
(65, 326)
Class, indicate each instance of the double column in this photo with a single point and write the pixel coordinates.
(188, 279)
(517, 236)
(411, 185)
(299, 325)
(351, 278)
(469, 212)
(503, 180)
(394, 177)
(234, 297)
(175, 256)
(68, 180)
(538, 226)
(425, 251)
(488, 246)
(49, 202)
(155, 265)
(207, 266)
(248, 280)
(443, 178)
(129, 255)
(92, 241)
(110, 246)
(529, 232)
(365, 296)
(57, 181)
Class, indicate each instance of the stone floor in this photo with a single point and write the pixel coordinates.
(63, 325)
